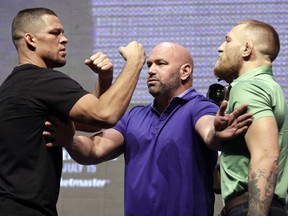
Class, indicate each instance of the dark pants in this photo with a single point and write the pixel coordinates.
(276, 209)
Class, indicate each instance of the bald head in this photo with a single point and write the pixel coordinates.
(175, 51)
(175, 54)
(170, 67)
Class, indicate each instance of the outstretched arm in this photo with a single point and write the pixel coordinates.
(106, 110)
(100, 147)
(215, 129)
(100, 64)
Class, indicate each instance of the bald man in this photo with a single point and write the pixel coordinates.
(168, 165)
(254, 167)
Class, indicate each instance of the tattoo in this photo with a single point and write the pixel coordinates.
(257, 205)
(271, 181)
(261, 172)
(254, 193)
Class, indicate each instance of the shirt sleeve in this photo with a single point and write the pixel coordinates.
(202, 107)
(58, 92)
(255, 94)
(122, 123)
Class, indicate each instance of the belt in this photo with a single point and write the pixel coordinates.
(243, 198)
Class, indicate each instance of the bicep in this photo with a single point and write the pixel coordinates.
(262, 138)
(88, 110)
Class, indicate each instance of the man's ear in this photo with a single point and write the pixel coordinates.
(248, 49)
(186, 71)
(30, 40)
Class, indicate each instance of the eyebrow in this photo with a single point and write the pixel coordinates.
(156, 60)
(56, 28)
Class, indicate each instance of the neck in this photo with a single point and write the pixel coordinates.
(164, 99)
(31, 59)
(247, 66)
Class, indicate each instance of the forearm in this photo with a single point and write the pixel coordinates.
(212, 140)
(215, 130)
(261, 186)
(116, 99)
(102, 85)
(105, 111)
(262, 142)
(98, 148)
(80, 150)
(205, 128)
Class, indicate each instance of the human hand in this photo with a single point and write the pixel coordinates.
(60, 133)
(229, 126)
(133, 52)
(100, 64)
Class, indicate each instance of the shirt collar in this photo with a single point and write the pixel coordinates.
(180, 97)
(253, 73)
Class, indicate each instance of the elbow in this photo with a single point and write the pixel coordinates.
(109, 116)
(104, 119)
(273, 156)
(270, 159)
(110, 119)
(109, 122)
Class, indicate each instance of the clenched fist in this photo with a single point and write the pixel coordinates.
(100, 64)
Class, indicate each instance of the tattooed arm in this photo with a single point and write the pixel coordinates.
(262, 142)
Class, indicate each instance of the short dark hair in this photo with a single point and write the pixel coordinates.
(27, 17)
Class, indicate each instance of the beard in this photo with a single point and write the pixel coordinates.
(163, 89)
(55, 63)
(228, 69)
